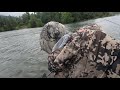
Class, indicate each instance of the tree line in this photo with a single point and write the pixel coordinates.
(38, 19)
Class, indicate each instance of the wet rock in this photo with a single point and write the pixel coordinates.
(44, 75)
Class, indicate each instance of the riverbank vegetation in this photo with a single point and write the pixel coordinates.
(38, 19)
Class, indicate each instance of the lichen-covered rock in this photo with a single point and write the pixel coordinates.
(90, 53)
(50, 34)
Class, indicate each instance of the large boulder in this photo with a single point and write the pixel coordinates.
(50, 34)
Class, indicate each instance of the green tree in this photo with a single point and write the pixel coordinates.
(26, 18)
(39, 23)
(66, 17)
(32, 21)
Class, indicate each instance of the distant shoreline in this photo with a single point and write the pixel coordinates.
(38, 19)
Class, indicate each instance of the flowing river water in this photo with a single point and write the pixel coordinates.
(21, 55)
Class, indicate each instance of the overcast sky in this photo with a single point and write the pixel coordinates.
(12, 13)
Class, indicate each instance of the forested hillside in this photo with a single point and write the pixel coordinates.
(38, 19)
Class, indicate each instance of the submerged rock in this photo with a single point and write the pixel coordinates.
(44, 75)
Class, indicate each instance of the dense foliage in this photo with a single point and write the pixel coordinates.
(38, 19)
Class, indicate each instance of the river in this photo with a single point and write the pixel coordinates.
(20, 53)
